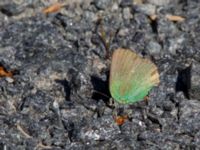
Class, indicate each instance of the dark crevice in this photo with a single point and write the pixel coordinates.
(184, 81)
(66, 86)
(154, 25)
(101, 89)
(70, 128)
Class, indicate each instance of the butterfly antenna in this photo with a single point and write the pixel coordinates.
(94, 91)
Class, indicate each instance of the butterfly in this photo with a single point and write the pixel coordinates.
(131, 76)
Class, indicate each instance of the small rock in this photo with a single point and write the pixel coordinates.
(189, 108)
(154, 48)
(115, 7)
(10, 80)
(194, 91)
(102, 4)
(101, 129)
(147, 9)
(90, 16)
(123, 32)
(175, 44)
(168, 105)
(189, 116)
(127, 13)
(126, 3)
(159, 2)
(11, 9)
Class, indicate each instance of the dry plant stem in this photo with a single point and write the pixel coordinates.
(23, 132)
(42, 146)
(175, 18)
(102, 36)
(53, 8)
(5, 73)
(169, 17)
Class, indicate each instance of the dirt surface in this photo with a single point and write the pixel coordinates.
(58, 97)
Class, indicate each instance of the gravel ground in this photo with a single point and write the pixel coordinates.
(62, 61)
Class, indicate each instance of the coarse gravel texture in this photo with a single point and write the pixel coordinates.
(56, 99)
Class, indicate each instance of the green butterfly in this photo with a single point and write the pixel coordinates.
(131, 76)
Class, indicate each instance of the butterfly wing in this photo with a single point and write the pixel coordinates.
(131, 76)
